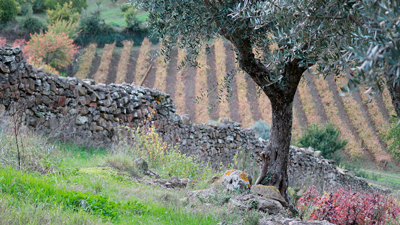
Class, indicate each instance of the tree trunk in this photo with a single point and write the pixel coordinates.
(275, 156)
(394, 89)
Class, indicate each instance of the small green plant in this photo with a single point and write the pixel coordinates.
(262, 129)
(323, 138)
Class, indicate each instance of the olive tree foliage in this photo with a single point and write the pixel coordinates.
(290, 36)
(374, 53)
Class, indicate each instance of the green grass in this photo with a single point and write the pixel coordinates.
(82, 189)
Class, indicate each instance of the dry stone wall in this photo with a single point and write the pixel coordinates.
(73, 109)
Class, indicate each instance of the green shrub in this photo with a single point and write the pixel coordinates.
(31, 25)
(131, 20)
(262, 129)
(393, 136)
(92, 24)
(26, 9)
(322, 138)
(64, 12)
(124, 7)
(9, 9)
(76, 5)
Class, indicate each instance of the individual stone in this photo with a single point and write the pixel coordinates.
(318, 153)
(4, 68)
(235, 180)
(80, 120)
(186, 119)
(268, 192)
(2, 109)
(141, 164)
(250, 201)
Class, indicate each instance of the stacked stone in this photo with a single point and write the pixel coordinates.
(75, 109)
(72, 107)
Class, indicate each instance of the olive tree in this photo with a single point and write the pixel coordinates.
(374, 54)
(290, 36)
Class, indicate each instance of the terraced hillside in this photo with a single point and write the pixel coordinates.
(317, 100)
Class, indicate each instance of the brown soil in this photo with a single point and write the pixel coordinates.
(95, 66)
(230, 68)
(113, 68)
(130, 74)
(189, 80)
(212, 85)
(171, 73)
(316, 97)
(344, 116)
(301, 115)
(252, 98)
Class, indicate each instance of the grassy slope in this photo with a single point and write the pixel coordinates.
(80, 173)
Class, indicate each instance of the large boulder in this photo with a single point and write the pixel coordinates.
(235, 180)
(268, 192)
(250, 201)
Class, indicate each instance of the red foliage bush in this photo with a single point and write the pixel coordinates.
(346, 207)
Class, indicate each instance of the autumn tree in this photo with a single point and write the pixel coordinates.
(289, 36)
(50, 48)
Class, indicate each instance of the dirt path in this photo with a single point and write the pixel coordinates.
(189, 80)
(95, 66)
(316, 98)
(301, 115)
(230, 68)
(130, 74)
(343, 115)
(112, 69)
(171, 73)
(212, 85)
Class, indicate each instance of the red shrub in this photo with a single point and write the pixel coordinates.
(346, 207)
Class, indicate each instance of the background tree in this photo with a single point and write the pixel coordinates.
(8, 10)
(51, 49)
(291, 36)
(63, 12)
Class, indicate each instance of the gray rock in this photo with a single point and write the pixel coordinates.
(250, 201)
(80, 120)
(141, 164)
